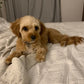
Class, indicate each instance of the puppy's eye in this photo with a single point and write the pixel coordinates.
(25, 28)
(36, 28)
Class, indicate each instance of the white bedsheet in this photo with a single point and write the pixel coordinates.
(63, 65)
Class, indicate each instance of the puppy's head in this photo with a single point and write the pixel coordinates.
(28, 28)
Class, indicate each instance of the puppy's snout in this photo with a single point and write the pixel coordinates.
(33, 37)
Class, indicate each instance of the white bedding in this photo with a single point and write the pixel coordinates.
(63, 65)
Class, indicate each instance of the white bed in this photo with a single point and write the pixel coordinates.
(63, 65)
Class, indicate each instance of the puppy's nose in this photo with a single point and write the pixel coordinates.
(33, 37)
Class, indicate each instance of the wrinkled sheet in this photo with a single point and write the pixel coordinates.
(63, 65)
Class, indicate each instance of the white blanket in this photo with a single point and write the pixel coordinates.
(63, 65)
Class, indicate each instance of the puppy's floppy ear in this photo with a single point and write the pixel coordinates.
(15, 26)
(42, 27)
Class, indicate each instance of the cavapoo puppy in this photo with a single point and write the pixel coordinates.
(33, 36)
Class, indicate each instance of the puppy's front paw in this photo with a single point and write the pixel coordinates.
(72, 40)
(40, 58)
(8, 61)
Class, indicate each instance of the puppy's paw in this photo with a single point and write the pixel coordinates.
(40, 58)
(8, 61)
(71, 40)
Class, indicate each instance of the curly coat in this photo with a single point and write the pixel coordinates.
(33, 36)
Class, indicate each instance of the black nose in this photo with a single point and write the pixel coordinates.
(33, 37)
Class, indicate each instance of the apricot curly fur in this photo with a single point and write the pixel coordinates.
(24, 29)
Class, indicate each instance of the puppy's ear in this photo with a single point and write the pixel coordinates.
(42, 27)
(15, 26)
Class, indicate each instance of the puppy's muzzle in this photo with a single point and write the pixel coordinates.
(33, 37)
(27, 43)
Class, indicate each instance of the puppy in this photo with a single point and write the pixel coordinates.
(33, 37)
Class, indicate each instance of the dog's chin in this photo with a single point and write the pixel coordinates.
(30, 42)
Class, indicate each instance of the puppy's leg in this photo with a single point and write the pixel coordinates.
(41, 54)
(66, 40)
(14, 54)
(56, 37)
